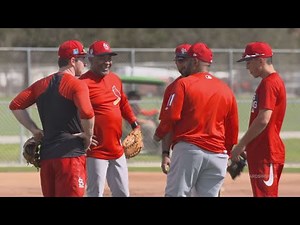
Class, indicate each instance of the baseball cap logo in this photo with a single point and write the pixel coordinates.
(105, 46)
(183, 51)
(75, 51)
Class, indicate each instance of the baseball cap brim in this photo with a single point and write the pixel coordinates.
(81, 54)
(246, 58)
(185, 55)
(241, 60)
(106, 53)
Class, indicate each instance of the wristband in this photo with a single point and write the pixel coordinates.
(134, 125)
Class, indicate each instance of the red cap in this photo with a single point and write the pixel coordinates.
(100, 48)
(71, 48)
(181, 50)
(201, 51)
(255, 50)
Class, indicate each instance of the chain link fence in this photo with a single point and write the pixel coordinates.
(20, 67)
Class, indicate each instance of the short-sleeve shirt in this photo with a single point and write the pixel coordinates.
(268, 147)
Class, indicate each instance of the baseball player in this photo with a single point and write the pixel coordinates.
(202, 113)
(180, 55)
(262, 143)
(107, 161)
(67, 119)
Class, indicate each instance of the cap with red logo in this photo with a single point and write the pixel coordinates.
(71, 48)
(256, 50)
(181, 51)
(100, 48)
(201, 51)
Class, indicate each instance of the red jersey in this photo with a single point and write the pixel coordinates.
(59, 98)
(110, 106)
(268, 147)
(167, 98)
(202, 110)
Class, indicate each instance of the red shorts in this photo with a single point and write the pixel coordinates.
(265, 179)
(63, 177)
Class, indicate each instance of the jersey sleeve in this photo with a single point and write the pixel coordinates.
(28, 96)
(164, 102)
(166, 97)
(80, 95)
(172, 110)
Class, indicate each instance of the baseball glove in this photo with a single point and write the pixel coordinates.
(133, 143)
(235, 168)
(31, 152)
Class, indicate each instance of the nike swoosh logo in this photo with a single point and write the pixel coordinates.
(271, 177)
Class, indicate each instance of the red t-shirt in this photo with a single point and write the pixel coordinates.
(268, 147)
(202, 110)
(110, 105)
(167, 97)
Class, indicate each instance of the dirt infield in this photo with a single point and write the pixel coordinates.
(143, 184)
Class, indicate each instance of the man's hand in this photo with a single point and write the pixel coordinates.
(165, 163)
(236, 151)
